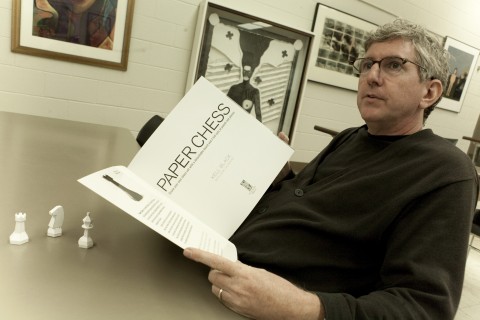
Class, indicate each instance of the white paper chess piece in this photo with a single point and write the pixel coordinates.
(85, 241)
(19, 236)
(56, 221)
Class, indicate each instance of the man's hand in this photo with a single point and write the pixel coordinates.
(256, 293)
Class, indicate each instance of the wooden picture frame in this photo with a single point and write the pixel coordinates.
(98, 36)
(339, 38)
(232, 45)
(463, 59)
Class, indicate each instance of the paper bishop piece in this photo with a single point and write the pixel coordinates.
(85, 241)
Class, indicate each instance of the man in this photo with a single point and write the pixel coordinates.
(377, 225)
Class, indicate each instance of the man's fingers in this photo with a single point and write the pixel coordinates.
(283, 137)
(211, 260)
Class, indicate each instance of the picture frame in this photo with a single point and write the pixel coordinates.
(463, 59)
(98, 36)
(232, 45)
(339, 38)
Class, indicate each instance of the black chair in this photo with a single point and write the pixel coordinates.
(475, 229)
(454, 141)
(148, 128)
(331, 132)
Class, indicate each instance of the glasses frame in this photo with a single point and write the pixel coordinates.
(355, 62)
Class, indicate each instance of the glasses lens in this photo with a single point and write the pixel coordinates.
(392, 65)
(363, 65)
(388, 65)
(356, 64)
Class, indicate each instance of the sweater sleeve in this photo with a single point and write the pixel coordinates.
(422, 273)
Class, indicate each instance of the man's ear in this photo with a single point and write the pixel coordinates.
(433, 91)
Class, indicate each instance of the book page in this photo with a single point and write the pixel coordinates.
(200, 174)
(211, 158)
(125, 190)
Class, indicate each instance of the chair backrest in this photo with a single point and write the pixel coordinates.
(475, 230)
(148, 128)
(476, 223)
(331, 132)
(476, 217)
(454, 141)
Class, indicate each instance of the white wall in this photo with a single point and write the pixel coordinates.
(161, 43)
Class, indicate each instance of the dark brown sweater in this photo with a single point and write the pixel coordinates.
(377, 226)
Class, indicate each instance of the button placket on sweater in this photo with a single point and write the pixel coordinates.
(298, 192)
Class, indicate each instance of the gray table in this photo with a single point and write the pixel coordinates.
(130, 273)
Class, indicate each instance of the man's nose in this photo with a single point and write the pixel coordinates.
(374, 74)
(375, 66)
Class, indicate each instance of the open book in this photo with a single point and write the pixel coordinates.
(200, 173)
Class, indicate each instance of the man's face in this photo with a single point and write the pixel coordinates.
(392, 104)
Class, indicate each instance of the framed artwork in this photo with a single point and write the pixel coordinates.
(259, 64)
(389, 7)
(94, 32)
(339, 38)
(463, 59)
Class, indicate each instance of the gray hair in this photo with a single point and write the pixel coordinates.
(428, 50)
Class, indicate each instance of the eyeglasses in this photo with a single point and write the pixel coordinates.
(388, 65)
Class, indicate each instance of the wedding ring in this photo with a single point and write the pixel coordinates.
(220, 294)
